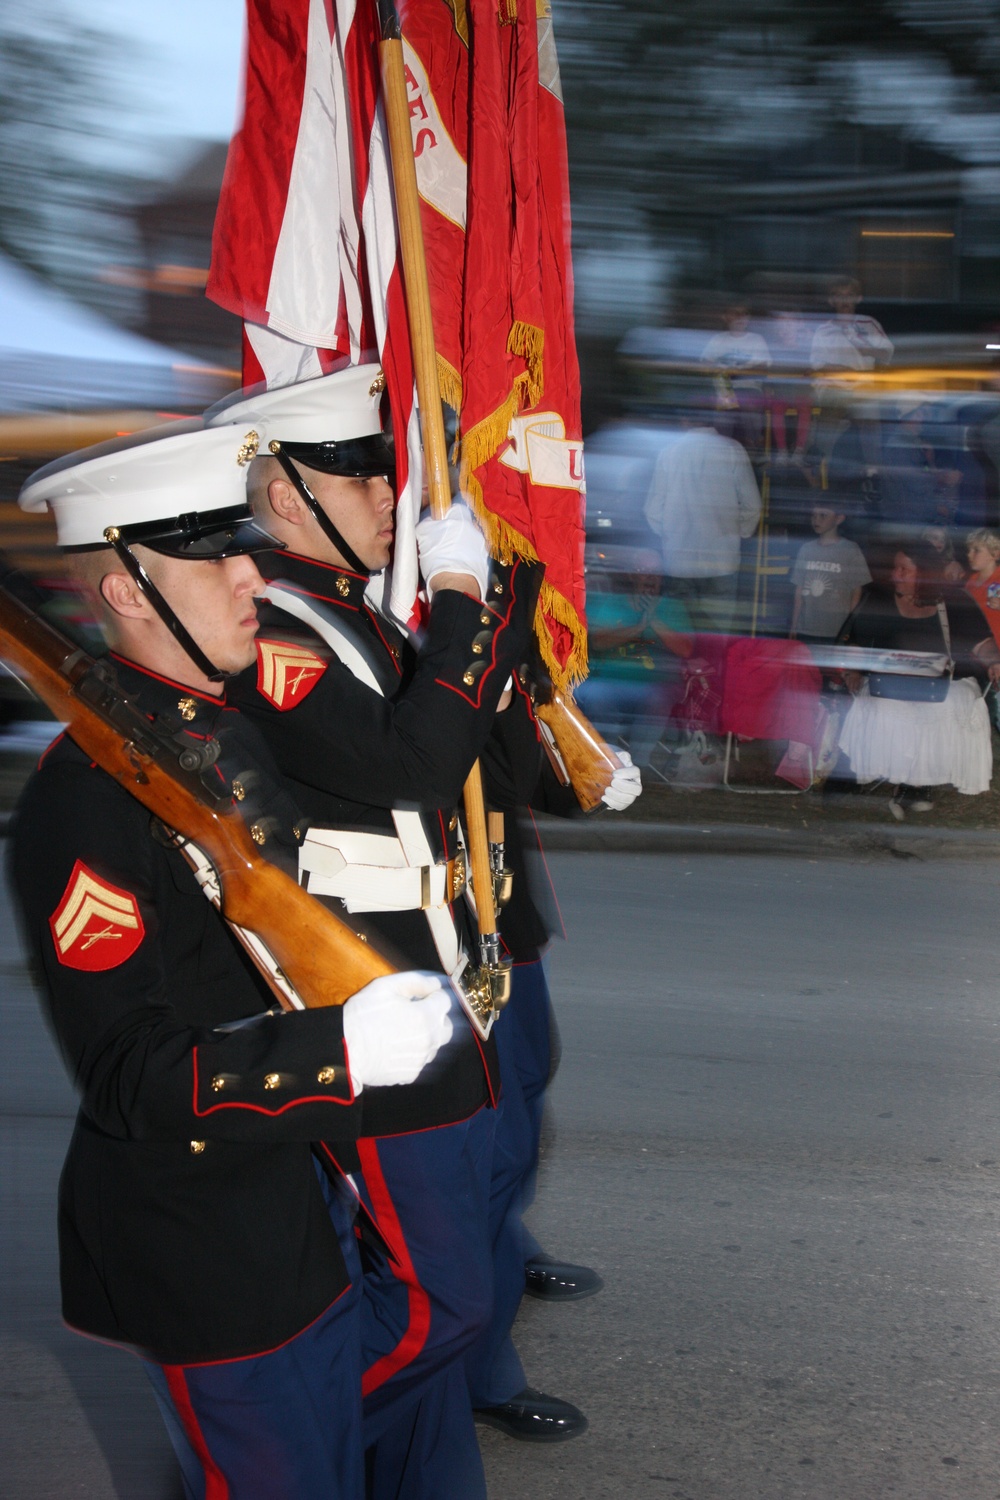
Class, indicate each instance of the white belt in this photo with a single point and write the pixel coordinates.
(368, 872)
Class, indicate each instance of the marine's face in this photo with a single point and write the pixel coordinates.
(214, 600)
(363, 511)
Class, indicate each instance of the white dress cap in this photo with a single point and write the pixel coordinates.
(330, 409)
(154, 475)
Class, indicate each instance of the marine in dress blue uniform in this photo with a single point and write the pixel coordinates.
(384, 727)
(198, 1224)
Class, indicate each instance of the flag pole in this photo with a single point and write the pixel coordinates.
(418, 307)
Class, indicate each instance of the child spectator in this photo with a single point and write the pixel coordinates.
(828, 575)
(983, 584)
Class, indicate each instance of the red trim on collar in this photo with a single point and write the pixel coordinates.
(170, 682)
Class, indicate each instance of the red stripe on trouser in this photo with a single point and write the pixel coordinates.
(216, 1485)
(419, 1303)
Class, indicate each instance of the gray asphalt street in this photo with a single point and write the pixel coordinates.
(776, 1130)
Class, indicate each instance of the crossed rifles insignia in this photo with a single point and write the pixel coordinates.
(287, 673)
(95, 926)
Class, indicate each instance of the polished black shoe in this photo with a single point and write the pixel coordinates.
(555, 1281)
(534, 1417)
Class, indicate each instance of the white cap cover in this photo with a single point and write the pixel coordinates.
(150, 476)
(331, 408)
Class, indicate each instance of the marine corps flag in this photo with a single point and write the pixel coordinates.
(490, 148)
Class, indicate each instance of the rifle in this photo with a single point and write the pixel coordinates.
(320, 957)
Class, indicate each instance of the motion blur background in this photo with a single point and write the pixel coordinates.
(728, 163)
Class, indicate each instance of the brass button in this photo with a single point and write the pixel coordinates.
(453, 824)
(326, 1075)
(257, 833)
(272, 1080)
(197, 1147)
(485, 618)
(218, 1083)
(239, 790)
(343, 587)
(477, 649)
(298, 830)
(361, 937)
(468, 678)
(187, 708)
(498, 588)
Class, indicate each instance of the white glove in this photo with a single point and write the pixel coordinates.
(454, 544)
(394, 1027)
(626, 784)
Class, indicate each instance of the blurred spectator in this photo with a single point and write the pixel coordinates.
(789, 343)
(914, 491)
(918, 732)
(939, 538)
(638, 640)
(738, 348)
(984, 582)
(847, 341)
(702, 501)
(828, 575)
(739, 358)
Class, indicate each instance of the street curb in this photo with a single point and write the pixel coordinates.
(848, 840)
(626, 836)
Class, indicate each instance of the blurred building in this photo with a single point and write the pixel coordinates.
(867, 202)
(173, 227)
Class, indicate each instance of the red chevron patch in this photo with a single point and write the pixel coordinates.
(95, 926)
(286, 674)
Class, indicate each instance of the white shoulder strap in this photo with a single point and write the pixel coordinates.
(338, 640)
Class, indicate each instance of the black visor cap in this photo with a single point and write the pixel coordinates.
(204, 534)
(354, 458)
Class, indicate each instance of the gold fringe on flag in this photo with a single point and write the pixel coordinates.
(527, 341)
(475, 448)
(507, 12)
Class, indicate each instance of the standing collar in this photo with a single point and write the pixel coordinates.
(195, 712)
(328, 581)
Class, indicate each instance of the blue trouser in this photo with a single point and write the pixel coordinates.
(425, 1302)
(279, 1426)
(523, 1037)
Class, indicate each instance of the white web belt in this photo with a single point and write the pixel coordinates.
(369, 872)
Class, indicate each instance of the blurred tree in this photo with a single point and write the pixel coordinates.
(59, 82)
(665, 101)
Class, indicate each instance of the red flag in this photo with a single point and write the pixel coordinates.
(490, 148)
(304, 248)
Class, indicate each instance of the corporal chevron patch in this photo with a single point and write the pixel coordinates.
(95, 926)
(285, 673)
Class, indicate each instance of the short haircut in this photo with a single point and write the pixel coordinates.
(985, 538)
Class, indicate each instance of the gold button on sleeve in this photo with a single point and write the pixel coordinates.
(326, 1075)
(239, 790)
(218, 1083)
(257, 834)
(272, 1080)
(468, 678)
(197, 1147)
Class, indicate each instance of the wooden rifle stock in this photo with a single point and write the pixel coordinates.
(588, 763)
(321, 957)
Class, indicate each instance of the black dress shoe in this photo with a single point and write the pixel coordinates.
(555, 1281)
(534, 1417)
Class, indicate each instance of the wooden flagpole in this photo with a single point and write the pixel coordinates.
(418, 307)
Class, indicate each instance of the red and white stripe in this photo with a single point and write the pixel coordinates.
(305, 246)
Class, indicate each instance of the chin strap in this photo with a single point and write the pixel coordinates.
(183, 637)
(330, 531)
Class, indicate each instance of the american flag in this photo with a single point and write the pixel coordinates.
(305, 244)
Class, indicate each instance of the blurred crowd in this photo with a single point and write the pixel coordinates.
(785, 546)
